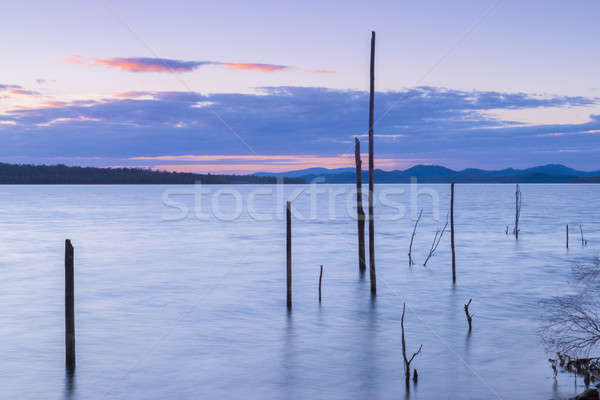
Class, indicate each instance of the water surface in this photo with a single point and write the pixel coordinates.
(188, 309)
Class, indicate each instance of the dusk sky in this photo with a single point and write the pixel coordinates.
(240, 87)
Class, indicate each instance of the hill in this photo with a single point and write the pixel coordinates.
(551, 173)
(62, 174)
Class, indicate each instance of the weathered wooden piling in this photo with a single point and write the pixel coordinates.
(69, 306)
(567, 236)
(288, 245)
(452, 232)
(371, 168)
(360, 212)
(320, 282)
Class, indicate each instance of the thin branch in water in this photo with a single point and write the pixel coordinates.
(467, 314)
(412, 238)
(518, 199)
(583, 241)
(407, 360)
(320, 282)
(587, 273)
(436, 241)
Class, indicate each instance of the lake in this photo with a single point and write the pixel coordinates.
(180, 291)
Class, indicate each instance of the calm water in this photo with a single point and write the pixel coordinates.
(181, 308)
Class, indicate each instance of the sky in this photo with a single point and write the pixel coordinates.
(240, 87)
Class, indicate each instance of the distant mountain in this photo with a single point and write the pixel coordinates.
(61, 174)
(551, 173)
(307, 171)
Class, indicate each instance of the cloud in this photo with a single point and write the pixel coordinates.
(425, 124)
(256, 67)
(132, 94)
(9, 87)
(266, 163)
(143, 64)
(8, 90)
(153, 64)
(24, 92)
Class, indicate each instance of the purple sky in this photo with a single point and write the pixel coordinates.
(270, 86)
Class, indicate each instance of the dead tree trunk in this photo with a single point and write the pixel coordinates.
(412, 238)
(567, 236)
(467, 314)
(371, 167)
(288, 240)
(69, 306)
(452, 232)
(407, 360)
(320, 281)
(517, 211)
(360, 212)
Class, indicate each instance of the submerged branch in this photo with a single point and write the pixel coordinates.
(412, 238)
(436, 241)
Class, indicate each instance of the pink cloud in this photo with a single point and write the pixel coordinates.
(145, 64)
(24, 92)
(154, 64)
(17, 90)
(267, 163)
(75, 59)
(132, 94)
(256, 67)
(320, 71)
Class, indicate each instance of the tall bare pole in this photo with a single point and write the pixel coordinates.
(452, 232)
(371, 167)
(69, 307)
(360, 212)
(288, 242)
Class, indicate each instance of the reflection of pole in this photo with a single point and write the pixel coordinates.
(360, 212)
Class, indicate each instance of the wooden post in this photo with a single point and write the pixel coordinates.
(567, 236)
(320, 281)
(69, 307)
(371, 167)
(289, 253)
(517, 211)
(360, 212)
(452, 232)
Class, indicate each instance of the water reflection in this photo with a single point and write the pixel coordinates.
(370, 372)
(69, 391)
(288, 359)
